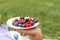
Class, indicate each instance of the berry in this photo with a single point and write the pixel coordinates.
(20, 25)
(16, 19)
(23, 25)
(26, 20)
(31, 23)
(30, 19)
(20, 20)
(22, 17)
(35, 20)
(15, 23)
(28, 25)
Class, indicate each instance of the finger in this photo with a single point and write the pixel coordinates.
(15, 29)
(20, 31)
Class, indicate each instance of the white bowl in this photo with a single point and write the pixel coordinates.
(9, 23)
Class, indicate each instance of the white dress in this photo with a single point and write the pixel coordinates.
(20, 37)
(5, 34)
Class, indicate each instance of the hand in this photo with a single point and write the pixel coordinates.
(34, 32)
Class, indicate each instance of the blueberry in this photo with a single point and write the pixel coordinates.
(16, 23)
(26, 20)
(16, 19)
(20, 25)
(23, 25)
(13, 23)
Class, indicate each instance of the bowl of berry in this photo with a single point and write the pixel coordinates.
(22, 22)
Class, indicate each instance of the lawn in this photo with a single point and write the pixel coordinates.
(46, 11)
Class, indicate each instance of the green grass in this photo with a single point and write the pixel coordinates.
(46, 11)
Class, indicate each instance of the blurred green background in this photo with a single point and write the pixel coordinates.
(46, 11)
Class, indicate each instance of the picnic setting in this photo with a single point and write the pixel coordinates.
(29, 19)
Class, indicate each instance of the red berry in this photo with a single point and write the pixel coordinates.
(14, 21)
(28, 25)
(30, 19)
(22, 17)
(20, 20)
(28, 22)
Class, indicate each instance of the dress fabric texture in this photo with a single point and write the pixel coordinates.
(9, 35)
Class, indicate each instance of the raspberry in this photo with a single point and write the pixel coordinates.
(30, 19)
(20, 20)
(14, 21)
(28, 25)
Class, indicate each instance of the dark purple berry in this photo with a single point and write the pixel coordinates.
(16, 19)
